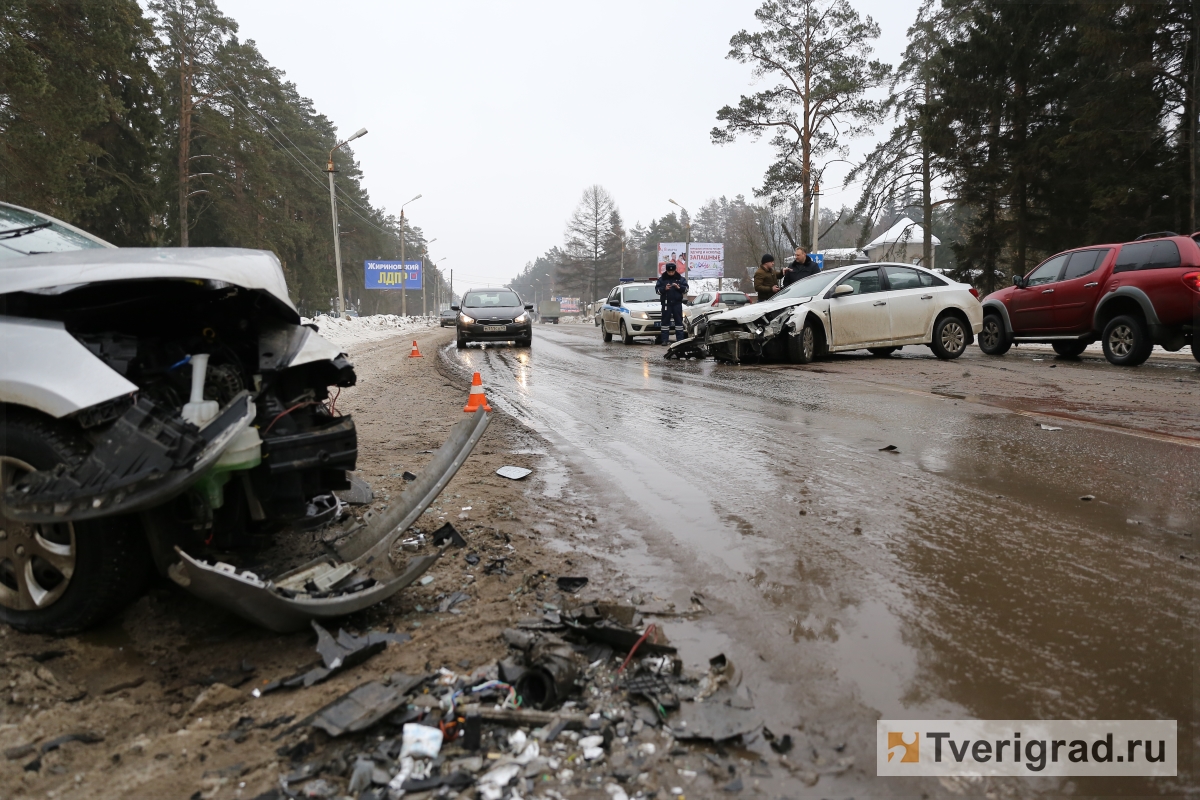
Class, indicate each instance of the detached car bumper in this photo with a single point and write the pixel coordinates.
(493, 333)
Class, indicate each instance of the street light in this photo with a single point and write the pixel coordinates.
(337, 244)
(687, 246)
(403, 266)
(425, 279)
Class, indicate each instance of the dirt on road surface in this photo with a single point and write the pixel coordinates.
(869, 538)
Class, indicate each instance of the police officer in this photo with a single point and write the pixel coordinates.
(672, 288)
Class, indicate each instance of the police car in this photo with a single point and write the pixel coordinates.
(632, 309)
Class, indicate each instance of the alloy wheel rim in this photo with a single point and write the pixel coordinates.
(952, 337)
(991, 334)
(1120, 341)
(807, 342)
(36, 561)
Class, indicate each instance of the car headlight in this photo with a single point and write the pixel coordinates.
(639, 315)
(520, 319)
(465, 320)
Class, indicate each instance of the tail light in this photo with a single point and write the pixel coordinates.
(974, 292)
(1192, 281)
(717, 299)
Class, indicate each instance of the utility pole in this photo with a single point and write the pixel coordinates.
(404, 265)
(337, 239)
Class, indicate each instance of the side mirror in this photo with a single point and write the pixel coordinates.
(457, 308)
(842, 290)
(1019, 281)
(529, 306)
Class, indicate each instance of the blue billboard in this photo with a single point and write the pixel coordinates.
(392, 274)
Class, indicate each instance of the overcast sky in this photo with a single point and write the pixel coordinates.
(500, 114)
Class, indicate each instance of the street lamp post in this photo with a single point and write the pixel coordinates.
(403, 266)
(337, 241)
(687, 245)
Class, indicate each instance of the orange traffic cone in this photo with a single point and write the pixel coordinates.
(415, 352)
(477, 399)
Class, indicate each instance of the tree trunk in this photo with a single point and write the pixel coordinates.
(185, 138)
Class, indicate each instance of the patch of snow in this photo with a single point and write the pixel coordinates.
(343, 332)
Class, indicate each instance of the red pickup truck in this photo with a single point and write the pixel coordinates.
(1130, 296)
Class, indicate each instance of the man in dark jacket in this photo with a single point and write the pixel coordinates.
(766, 279)
(672, 288)
(802, 267)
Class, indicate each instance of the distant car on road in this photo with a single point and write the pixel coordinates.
(877, 307)
(632, 309)
(448, 318)
(494, 315)
(1130, 296)
(711, 302)
(549, 311)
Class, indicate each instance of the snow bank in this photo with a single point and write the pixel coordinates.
(344, 332)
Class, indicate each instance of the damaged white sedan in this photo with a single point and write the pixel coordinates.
(167, 406)
(876, 307)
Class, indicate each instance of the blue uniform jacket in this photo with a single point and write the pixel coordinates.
(673, 294)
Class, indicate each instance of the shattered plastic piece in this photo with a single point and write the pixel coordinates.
(358, 709)
(714, 721)
(472, 732)
(425, 581)
(448, 533)
(1045, 427)
(360, 778)
(85, 737)
(783, 744)
(551, 675)
(359, 493)
(513, 473)
(571, 585)
(491, 786)
(421, 741)
(408, 476)
(1088, 497)
(452, 600)
(734, 785)
(891, 448)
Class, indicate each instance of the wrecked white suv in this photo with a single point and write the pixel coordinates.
(167, 407)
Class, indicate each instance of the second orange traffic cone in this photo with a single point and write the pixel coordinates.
(415, 352)
(477, 398)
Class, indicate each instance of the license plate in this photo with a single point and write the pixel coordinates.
(495, 328)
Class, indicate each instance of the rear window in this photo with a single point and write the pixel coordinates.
(733, 298)
(1147, 255)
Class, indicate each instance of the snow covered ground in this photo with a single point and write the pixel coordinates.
(344, 332)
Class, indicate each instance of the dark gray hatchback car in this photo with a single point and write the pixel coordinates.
(494, 315)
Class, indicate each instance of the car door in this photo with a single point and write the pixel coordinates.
(910, 304)
(1075, 295)
(860, 318)
(1032, 306)
(608, 316)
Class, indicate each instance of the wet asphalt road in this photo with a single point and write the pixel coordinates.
(960, 576)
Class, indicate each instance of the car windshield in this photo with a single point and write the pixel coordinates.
(500, 299)
(639, 294)
(810, 286)
(26, 234)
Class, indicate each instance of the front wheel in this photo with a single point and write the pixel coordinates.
(462, 343)
(882, 352)
(993, 339)
(626, 337)
(802, 348)
(1125, 341)
(61, 577)
(1069, 349)
(1195, 347)
(525, 342)
(949, 338)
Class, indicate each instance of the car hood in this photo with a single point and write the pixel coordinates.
(60, 272)
(752, 311)
(494, 311)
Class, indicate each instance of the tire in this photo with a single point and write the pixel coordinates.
(462, 344)
(525, 342)
(82, 573)
(1069, 349)
(1195, 346)
(882, 352)
(626, 337)
(1126, 342)
(950, 337)
(993, 339)
(802, 348)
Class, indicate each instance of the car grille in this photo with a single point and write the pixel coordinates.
(497, 321)
(654, 314)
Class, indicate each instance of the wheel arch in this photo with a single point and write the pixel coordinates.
(1124, 300)
(954, 311)
(998, 308)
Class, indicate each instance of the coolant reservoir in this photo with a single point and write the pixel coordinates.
(197, 410)
(244, 452)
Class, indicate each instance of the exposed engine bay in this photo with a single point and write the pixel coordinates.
(202, 414)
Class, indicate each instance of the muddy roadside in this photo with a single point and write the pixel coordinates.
(148, 702)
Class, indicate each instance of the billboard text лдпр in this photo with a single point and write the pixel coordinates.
(392, 274)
